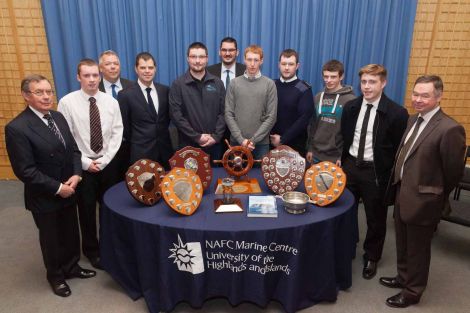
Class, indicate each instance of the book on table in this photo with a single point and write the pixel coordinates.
(262, 206)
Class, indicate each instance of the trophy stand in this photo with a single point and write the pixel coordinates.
(228, 203)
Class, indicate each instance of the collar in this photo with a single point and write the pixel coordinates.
(39, 114)
(143, 87)
(428, 115)
(87, 96)
(108, 84)
(288, 80)
(258, 75)
(231, 68)
(375, 104)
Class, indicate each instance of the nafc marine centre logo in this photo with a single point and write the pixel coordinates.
(188, 256)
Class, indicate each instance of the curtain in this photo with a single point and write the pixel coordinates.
(356, 32)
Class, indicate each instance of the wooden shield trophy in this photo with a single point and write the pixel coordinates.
(324, 183)
(283, 169)
(196, 160)
(182, 190)
(143, 180)
(238, 161)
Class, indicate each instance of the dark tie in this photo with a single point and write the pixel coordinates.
(51, 125)
(404, 151)
(113, 91)
(227, 79)
(96, 137)
(362, 138)
(150, 102)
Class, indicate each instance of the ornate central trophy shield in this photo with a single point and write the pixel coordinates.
(143, 180)
(196, 160)
(283, 169)
(324, 183)
(182, 190)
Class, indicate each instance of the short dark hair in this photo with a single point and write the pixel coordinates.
(229, 39)
(287, 53)
(87, 62)
(33, 78)
(334, 66)
(435, 80)
(144, 56)
(197, 45)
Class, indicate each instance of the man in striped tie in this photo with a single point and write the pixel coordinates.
(95, 121)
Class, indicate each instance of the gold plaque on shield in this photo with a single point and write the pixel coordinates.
(143, 181)
(196, 160)
(324, 183)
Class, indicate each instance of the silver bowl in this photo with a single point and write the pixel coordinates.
(295, 202)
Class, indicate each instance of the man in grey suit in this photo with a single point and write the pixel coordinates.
(428, 165)
(45, 157)
(229, 68)
(112, 83)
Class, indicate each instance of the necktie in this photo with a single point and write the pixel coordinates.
(96, 137)
(150, 102)
(404, 151)
(362, 138)
(113, 91)
(51, 125)
(227, 79)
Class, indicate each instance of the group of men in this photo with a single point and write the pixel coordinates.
(77, 153)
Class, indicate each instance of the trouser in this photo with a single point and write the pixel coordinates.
(413, 254)
(363, 184)
(60, 241)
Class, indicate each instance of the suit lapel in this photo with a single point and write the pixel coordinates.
(426, 131)
(41, 129)
(141, 99)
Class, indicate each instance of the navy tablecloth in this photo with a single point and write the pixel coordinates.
(298, 260)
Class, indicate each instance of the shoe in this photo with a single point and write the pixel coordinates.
(390, 282)
(400, 301)
(79, 272)
(96, 262)
(61, 288)
(369, 270)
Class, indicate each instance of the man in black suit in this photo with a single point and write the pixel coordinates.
(144, 110)
(228, 69)
(112, 83)
(372, 126)
(428, 166)
(45, 157)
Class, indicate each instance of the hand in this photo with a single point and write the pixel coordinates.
(248, 144)
(210, 141)
(73, 181)
(275, 140)
(93, 168)
(66, 191)
(309, 157)
(203, 139)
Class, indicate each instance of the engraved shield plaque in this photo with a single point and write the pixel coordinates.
(283, 169)
(324, 183)
(143, 180)
(196, 160)
(182, 190)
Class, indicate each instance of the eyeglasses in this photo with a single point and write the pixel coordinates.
(228, 50)
(200, 57)
(42, 92)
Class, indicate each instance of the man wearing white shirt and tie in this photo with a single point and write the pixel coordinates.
(229, 68)
(112, 83)
(95, 122)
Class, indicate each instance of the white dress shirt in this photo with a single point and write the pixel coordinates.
(76, 109)
(153, 93)
(368, 147)
(109, 89)
(231, 73)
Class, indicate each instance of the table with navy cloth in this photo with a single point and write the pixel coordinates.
(156, 253)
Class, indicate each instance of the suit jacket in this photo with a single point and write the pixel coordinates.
(124, 82)
(40, 160)
(147, 136)
(389, 126)
(216, 68)
(433, 168)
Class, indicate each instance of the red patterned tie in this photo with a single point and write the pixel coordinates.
(96, 137)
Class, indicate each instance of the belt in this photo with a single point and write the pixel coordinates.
(361, 164)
